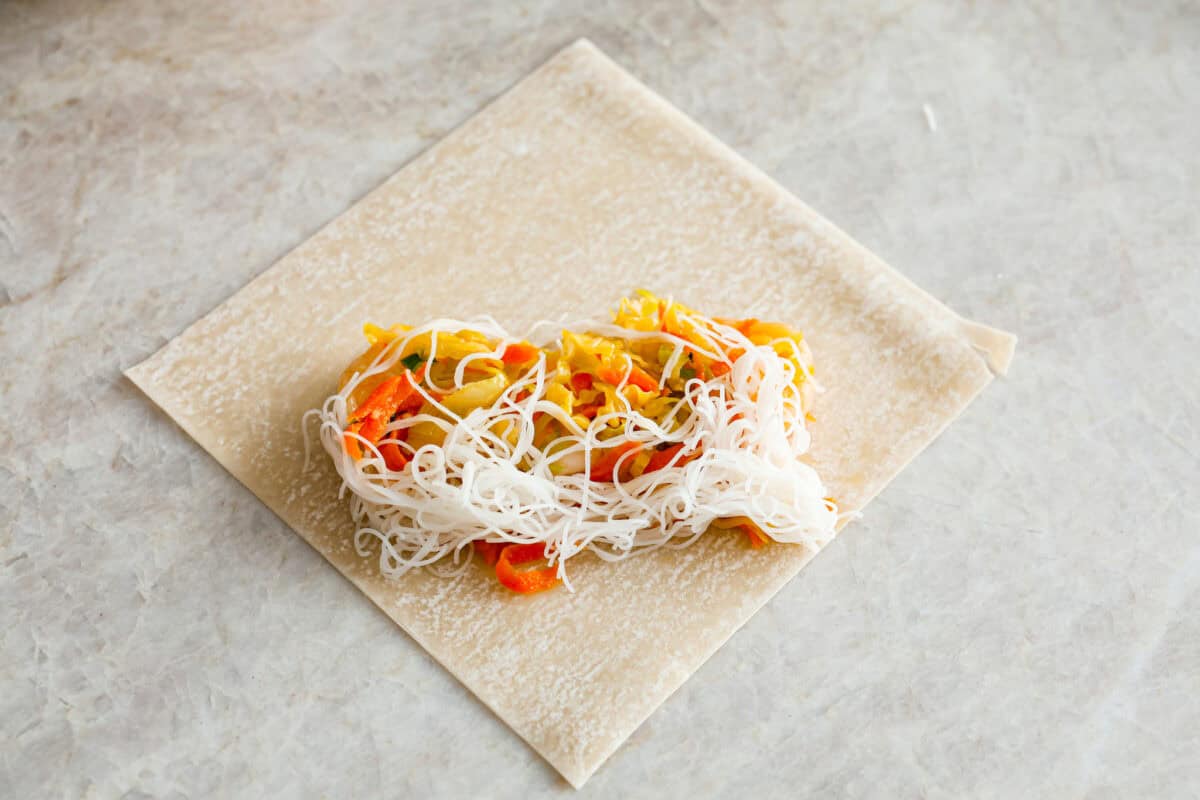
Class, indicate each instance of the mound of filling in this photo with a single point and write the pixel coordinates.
(616, 437)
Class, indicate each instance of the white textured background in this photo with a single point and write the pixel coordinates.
(1016, 614)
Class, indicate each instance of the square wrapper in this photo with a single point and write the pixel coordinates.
(574, 187)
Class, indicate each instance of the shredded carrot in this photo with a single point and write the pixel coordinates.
(610, 375)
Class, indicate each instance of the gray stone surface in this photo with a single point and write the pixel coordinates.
(1015, 616)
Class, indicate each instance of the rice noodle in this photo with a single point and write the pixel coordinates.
(748, 426)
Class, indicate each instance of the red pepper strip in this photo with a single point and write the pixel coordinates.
(376, 418)
(719, 368)
(395, 391)
(520, 353)
(581, 381)
(373, 415)
(489, 550)
(637, 377)
(413, 402)
(393, 456)
(605, 469)
(378, 399)
(757, 538)
(527, 581)
(662, 458)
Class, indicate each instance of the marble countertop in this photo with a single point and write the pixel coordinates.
(1013, 617)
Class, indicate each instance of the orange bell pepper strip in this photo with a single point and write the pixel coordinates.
(489, 550)
(605, 468)
(662, 458)
(637, 377)
(519, 353)
(581, 381)
(525, 581)
(373, 415)
(393, 456)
